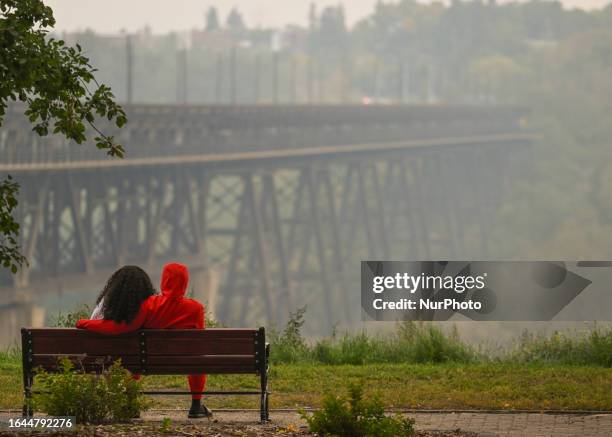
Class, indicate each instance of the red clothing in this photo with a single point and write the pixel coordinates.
(170, 309)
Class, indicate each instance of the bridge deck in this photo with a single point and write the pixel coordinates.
(155, 133)
(323, 152)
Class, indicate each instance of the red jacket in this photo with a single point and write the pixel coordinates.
(170, 309)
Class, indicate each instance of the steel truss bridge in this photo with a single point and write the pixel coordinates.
(282, 202)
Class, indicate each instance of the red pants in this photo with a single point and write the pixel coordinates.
(196, 383)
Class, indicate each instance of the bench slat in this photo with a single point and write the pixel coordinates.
(197, 364)
(200, 346)
(89, 345)
(189, 370)
(170, 370)
(159, 342)
(208, 333)
(49, 361)
(202, 360)
(220, 360)
(131, 346)
(211, 333)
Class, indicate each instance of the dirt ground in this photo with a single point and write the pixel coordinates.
(212, 429)
(245, 423)
(230, 423)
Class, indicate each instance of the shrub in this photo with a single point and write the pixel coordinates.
(419, 342)
(593, 348)
(412, 343)
(356, 417)
(69, 319)
(428, 343)
(353, 349)
(290, 346)
(210, 321)
(112, 396)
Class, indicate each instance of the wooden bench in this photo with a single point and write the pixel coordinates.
(151, 352)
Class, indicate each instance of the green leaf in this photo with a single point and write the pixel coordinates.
(52, 80)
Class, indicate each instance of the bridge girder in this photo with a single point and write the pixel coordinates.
(284, 224)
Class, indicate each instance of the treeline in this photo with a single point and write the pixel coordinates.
(404, 51)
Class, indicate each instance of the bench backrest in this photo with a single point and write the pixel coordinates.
(150, 351)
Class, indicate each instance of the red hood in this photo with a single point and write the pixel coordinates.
(175, 278)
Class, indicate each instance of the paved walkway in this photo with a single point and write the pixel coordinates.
(484, 424)
(528, 425)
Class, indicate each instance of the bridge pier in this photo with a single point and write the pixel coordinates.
(15, 315)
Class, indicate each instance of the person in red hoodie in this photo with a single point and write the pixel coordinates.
(170, 309)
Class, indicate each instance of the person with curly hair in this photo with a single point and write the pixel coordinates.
(124, 292)
(170, 309)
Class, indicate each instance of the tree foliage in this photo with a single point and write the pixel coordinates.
(212, 19)
(9, 228)
(56, 84)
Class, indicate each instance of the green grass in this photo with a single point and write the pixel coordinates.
(426, 343)
(588, 348)
(420, 366)
(445, 386)
(11, 391)
(411, 344)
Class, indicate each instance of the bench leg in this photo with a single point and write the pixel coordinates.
(263, 402)
(263, 408)
(28, 375)
(27, 410)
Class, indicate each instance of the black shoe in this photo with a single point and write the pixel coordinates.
(202, 411)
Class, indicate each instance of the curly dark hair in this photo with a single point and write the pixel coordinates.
(124, 292)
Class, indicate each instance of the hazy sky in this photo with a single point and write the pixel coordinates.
(110, 16)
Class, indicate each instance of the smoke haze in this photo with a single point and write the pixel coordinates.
(111, 16)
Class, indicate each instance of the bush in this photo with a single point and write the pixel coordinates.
(113, 396)
(69, 319)
(412, 343)
(210, 322)
(419, 342)
(290, 346)
(593, 348)
(353, 349)
(429, 344)
(356, 417)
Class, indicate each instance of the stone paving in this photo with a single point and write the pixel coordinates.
(484, 424)
(528, 425)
